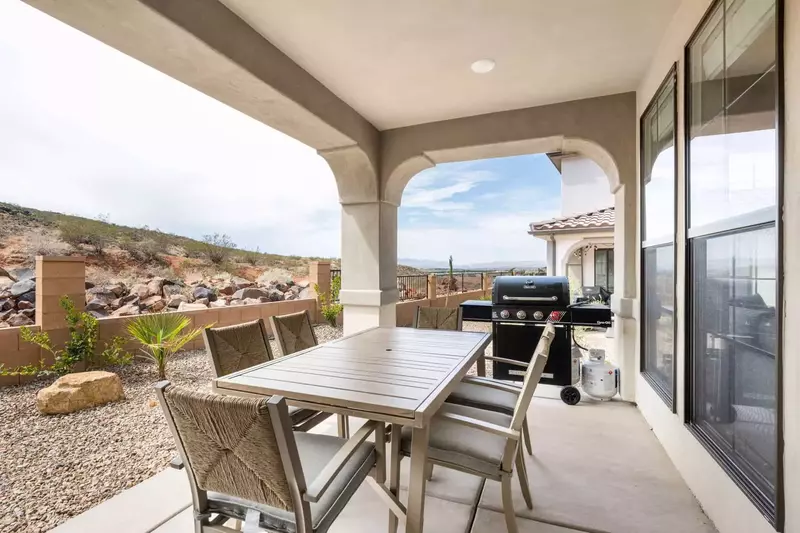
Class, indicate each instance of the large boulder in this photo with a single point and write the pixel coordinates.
(5, 315)
(200, 293)
(22, 274)
(19, 320)
(96, 305)
(154, 303)
(218, 303)
(274, 295)
(154, 286)
(191, 307)
(127, 310)
(23, 287)
(24, 304)
(6, 304)
(125, 300)
(281, 286)
(250, 292)
(118, 288)
(5, 283)
(140, 290)
(228, 289)
(176, 300)
(27, 297)
(101, 293)
(171, 289)
(81, 390)
(241, 283)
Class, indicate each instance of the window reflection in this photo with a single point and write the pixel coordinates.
(732, 148)
(659, 314)
(735, 345)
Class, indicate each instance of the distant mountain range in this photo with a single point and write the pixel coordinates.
(494, 265)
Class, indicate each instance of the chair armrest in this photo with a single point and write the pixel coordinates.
(507, 361)
(492, 384)
(337, 462)
(480, 424)
(176, 463)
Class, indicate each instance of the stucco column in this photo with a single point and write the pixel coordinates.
(551, 256)
(623, 301)
(369, 265)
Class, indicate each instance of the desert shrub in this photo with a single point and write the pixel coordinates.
(145, 251)
(77, 232)
(79, 347)
(252, 257)
(329, 303)
(217, 247)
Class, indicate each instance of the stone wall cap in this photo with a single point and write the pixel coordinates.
(60, 258)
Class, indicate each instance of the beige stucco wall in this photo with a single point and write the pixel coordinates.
(719, 496)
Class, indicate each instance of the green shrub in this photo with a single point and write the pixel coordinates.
(161, 336)
(79, 347)
(77, 232)
(252, 257)
(329, 303)
(217, 248)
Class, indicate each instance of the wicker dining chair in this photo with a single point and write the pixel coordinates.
(234, 348)
(294, 333)
(245, 463)
(485, 443)
(438, 318)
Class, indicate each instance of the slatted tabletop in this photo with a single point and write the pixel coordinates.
(384, 373)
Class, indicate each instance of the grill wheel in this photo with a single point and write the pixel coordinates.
(570, 395)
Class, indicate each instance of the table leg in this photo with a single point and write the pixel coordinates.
(394, 471)
(482, 365)
(417, 479)
(344, 426)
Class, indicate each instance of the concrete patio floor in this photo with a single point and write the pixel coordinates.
(596, 468)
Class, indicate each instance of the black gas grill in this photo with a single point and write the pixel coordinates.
(521, 307)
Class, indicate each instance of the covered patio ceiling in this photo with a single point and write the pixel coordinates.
(405, 63)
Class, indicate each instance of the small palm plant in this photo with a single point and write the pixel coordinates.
(161, 335)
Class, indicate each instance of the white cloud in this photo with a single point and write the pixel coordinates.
(85, 129)
(433, 188)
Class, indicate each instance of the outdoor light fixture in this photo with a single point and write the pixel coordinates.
(482, 66)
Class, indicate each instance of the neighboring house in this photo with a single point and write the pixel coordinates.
(580, 243)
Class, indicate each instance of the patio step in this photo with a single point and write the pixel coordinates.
(140, 509)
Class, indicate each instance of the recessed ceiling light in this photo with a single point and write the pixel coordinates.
(482, 66)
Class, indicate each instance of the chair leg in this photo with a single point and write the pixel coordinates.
(526, 436)
(344, 426)
(429, 471)
(522, 474)
(508, 504)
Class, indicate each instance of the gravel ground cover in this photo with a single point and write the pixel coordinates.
(56, 467)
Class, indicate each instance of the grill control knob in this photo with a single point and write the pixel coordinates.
(521, 314)
(538, 315)
(504, 313)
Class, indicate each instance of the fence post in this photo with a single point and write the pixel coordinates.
(56, 277)
(319, 273)
(431, 286)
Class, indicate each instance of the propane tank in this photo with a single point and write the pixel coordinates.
(599, 378)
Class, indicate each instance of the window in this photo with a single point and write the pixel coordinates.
(659, 168)
(732, 151)
(604, 268)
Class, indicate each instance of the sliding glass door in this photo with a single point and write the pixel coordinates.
(733, 153)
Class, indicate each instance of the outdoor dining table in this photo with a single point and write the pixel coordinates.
(396, 375)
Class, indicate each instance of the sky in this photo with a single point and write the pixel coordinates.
(86, 130)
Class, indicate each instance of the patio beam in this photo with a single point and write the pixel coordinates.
(206, 46)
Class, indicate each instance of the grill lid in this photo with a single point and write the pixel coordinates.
(531, 290)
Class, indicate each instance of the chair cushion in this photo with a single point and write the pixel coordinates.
(462, 446)
(315, 452)
(484, 397)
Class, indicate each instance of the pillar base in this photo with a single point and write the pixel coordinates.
(360, 317)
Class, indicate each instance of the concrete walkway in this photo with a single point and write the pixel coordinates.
(596, 468)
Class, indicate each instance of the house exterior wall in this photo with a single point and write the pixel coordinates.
(584, 186)
(720, 497)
